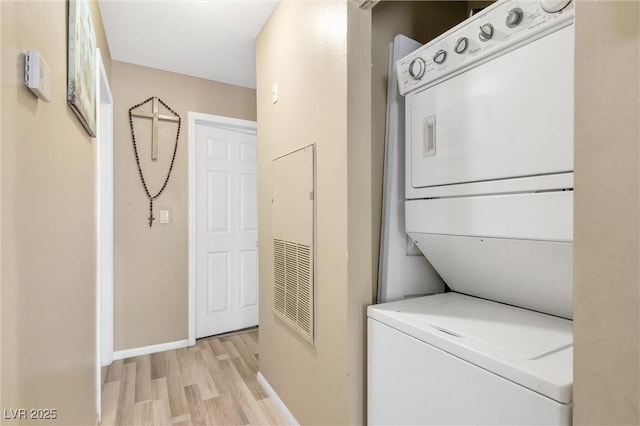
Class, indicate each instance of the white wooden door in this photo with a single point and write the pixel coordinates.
(226, 229)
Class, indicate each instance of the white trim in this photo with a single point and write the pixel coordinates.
(151, 349)
(105, 214)
(195, 118)
(191, 291)
(286, 414)
(104, 226)
(98, 204)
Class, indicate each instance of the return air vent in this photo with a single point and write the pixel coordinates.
(293, 235)
(292, 299)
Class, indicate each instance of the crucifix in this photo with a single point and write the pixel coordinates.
(155, 116)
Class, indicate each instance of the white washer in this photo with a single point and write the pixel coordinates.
(460, 360)
(489, 187)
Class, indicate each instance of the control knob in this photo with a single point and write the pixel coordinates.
(514, 17)
(417, 68)
(486, 32)
(553, 6)
(461, 45)
(440, 56)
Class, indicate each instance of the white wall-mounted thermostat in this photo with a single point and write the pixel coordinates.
(37, 75)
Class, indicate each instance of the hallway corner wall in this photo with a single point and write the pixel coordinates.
(48, 269)
(303, 47)
(151, 264)
(606, 289)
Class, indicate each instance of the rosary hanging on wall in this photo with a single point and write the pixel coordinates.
(155, 116)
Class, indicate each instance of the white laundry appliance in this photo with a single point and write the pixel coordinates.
(403, 271)
(489, 187)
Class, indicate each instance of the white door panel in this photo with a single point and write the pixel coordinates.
(248, 202)
(217, 282)
(218, 201)
(248, 278)
(226, 230)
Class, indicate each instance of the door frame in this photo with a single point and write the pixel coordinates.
(104, 226)
(195, 118)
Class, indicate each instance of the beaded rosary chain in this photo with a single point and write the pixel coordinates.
(135, 151)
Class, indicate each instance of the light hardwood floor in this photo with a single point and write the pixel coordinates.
(212, 383)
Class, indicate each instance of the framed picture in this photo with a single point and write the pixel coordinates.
(81, 64)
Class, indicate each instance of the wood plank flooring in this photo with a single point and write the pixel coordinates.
(212, 383)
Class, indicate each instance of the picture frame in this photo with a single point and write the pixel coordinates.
(81, 64)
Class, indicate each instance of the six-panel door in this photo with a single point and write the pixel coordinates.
(226, 230)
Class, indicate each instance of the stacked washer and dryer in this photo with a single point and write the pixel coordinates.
(489, 202)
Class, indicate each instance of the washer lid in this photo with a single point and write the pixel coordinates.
(532, 349)
(518, 332)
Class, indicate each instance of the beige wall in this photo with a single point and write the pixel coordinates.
(607, 214)
(421, 21)
(303, 48)
(361, 216)
(48, 225)
(150, 300)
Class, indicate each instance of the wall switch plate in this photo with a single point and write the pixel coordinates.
(37, 75)
(164, 216)
(274, 93)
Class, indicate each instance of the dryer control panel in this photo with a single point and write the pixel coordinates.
(496, 30)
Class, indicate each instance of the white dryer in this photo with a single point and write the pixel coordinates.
(489, 187)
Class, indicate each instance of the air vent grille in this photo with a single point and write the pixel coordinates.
(293, 285)
(293, 233)
(279, 276)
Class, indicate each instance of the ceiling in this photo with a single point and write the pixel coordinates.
(211, 39)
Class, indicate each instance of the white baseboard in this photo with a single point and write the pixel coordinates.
(151, 349)
(277, 401)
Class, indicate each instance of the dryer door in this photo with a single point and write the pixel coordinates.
(510, 117)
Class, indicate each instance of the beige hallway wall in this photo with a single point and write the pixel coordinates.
(361, 217)
(303, 48)
(607, 213)
(151, 263)
(48, 224)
